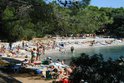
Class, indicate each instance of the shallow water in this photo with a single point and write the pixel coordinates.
(110, 51)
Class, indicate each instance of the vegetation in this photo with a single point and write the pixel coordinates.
(93, 69)
(24, 19)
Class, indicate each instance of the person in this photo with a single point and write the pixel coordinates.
(33, 55)
(50, 61)
(65, 78)
(3, 49)
(39, 52)
(43, 50)
(23, 44)
(58, 61)
(18, 49)
(61, 48)
(69, 70)
(72, 49)
(60, 76)
(54, 72)
(48, 74)
(24, 63)
(63, 62)
(54, 43)
(10, 45)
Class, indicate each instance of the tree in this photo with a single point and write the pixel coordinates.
(16, 19)
(117, 27)
(25, 19)
(13, 22)
(74, 3)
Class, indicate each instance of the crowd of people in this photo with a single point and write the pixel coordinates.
(57, 70)
(37, 52)
(50, 69)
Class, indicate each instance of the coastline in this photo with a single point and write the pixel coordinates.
(51, 53)
(73, 42)
(81, 47)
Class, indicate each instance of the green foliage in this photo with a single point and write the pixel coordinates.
(93, 69)
(8, 13)
(25, 19)
(117, 27)
(74, 4)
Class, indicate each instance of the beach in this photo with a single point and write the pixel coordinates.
(24, 78)
(84, 43)
(58, 49)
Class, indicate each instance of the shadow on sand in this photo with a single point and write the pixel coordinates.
(5, 70)
(4, 78)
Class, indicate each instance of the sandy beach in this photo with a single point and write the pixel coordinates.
(84, 43)
(31, 79)
(76, 43)
(26, 80)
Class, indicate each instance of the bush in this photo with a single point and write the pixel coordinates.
(93, 69)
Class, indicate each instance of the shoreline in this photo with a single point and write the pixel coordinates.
(56, 51)
(84, 47)
(50, 52)
(77, 43)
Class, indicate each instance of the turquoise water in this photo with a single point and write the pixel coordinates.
(112, 51)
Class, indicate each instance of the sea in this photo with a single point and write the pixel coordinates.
(113, 52)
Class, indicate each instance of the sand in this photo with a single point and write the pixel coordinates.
(26, 78)
(32, 80)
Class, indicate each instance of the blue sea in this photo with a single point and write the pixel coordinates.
(113, 52)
